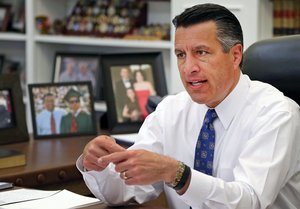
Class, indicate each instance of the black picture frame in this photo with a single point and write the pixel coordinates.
(5, 10)
(152, 66)
(16, 131)
(18, 17)
(2, 60)
(61, 94)
(92, 63)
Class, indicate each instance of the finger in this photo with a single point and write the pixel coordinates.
(109, 144)
(114, 158)
(93, 167)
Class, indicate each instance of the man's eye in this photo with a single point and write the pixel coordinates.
(180, 55)
(201, 52)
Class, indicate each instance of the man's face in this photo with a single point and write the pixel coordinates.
(49, 103)
(83, 68)
(74, 103)
(208, 74)
(70, 68)
(124, 73)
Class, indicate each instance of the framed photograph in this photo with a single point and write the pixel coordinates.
(129, 79)
(2, 59)
(62, 109)
(18, 18)
(13, 126)
(4, 16)
(79, 67)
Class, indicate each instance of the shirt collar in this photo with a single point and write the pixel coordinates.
(229, 107)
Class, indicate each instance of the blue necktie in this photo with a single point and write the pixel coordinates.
(204, 154)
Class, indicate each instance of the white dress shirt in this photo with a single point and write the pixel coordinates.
(256, 159)
(43, 121)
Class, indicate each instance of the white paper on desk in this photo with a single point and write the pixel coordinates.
(126, 137)
(61, 200)
(19, 195)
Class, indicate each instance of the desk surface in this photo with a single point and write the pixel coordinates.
(49, 161)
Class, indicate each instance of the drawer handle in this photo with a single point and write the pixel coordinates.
(62, 175)
(41, 178)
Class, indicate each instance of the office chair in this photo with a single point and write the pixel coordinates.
(276, 61)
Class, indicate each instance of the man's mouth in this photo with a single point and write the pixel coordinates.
(197, 83)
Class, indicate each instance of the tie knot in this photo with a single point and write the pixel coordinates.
(210, 116)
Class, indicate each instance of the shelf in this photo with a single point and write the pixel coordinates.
(110, 42)
(12, 36)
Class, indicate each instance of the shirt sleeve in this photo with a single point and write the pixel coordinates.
(111, 189)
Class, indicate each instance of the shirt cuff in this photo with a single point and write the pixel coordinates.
(198, 190)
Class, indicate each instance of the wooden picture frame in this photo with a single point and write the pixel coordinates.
(62, 100)
(4, 16)
(15, 129)
(126, 115)
(72, 67)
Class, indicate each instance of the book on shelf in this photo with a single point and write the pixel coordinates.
(11, 158)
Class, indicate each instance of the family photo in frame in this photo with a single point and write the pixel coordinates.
(62, 109)
(4, 16)
(78, 67)
(129, 81)
(13, 126)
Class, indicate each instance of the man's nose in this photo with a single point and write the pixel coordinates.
(191, 65)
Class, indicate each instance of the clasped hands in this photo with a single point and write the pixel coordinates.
(136, 167)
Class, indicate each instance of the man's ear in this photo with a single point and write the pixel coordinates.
(237, 53)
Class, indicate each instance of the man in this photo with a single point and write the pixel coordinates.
(122, 85)
(246, 155)
(77, 120)
(48, 120)
(85, 74)
(69, 75)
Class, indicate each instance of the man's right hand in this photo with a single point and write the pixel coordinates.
(97, 148)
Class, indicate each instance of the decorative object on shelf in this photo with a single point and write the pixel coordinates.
(42, 24)
(4, 16)
(8, 66)
(151, 32)
(58, 26)
(106, 18)
(62, 109)
(129, 79)
(71, 67)
(13, 126)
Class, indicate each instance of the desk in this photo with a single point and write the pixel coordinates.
(50, 164)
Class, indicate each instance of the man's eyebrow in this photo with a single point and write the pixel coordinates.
(200, 47)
